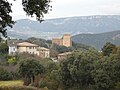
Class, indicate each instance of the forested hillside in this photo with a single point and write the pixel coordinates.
(98, 40)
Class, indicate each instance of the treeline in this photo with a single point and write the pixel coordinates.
(83, 70)
(92, 70)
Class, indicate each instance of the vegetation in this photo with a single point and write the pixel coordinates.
(98, 40)
(5, 75)
(29, 68)
(3, 48)
(85, 69)
(11, 83)
(31, 7)
(108, 49)
(19, 88)
(56, 49)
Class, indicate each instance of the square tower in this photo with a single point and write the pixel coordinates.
(67, 40)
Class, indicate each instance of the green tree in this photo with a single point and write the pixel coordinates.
(108, 48)
(3, 48)
(5, 75)
(76, 69)
(28, 69)
(61, 49)
(31, 7)
(106, 73)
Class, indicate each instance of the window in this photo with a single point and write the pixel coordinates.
(30, 47)
(13, 49)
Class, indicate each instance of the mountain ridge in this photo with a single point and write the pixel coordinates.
(98, 40)
(50, 28)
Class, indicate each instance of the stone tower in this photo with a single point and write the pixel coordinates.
(67, 40)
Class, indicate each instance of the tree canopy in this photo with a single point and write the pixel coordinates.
(108, 48)
(32, 8)
(30, 68)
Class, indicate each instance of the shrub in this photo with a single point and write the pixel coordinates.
(5, 75)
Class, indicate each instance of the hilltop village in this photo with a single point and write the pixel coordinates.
(22, 46)
(58, 64)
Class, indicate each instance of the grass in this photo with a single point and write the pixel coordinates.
(11, 83)
(16, 85)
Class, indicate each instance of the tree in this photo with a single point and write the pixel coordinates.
(108, 48)
(3, 48)
(106, 72)
(61, 49)
(5, 18)
(28, 69)
(5, 75)
(31, 7)
(76, 69)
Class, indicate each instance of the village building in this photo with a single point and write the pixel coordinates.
(44, 52)
(26, 47)
(63, 56)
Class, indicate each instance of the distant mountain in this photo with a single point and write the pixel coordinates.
(98, 40)
(56, 27)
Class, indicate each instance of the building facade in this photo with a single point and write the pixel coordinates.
(44, 52)
(63, 56)
(26, 47)
(64, 41)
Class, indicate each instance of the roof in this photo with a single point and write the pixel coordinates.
(66, 53)
(27, 44)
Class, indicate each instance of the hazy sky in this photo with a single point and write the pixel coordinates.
(69, 8)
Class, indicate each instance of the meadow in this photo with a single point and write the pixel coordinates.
(16, 85)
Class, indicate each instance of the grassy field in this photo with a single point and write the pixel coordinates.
(16, 85)
(11, 83)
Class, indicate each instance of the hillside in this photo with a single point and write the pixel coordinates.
(98, 40)
(26, 28)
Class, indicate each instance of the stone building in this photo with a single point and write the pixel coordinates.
(44, 52)
(64, 55)
(64, 41)
(26, 47)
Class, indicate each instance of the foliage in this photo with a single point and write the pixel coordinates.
(39, 41)
(51, 78)
(76, 69)
(5, 17)
(106, 73)
(3, 48)
(30, 68)
(31, 7)
(108, 48)
(37, 7)
(99, 39)
(61, 49)
(80, 46)
(12, 60)
(5, 75)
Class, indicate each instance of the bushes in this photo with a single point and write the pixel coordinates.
(5, 75)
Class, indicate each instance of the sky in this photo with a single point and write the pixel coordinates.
(71, 8)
